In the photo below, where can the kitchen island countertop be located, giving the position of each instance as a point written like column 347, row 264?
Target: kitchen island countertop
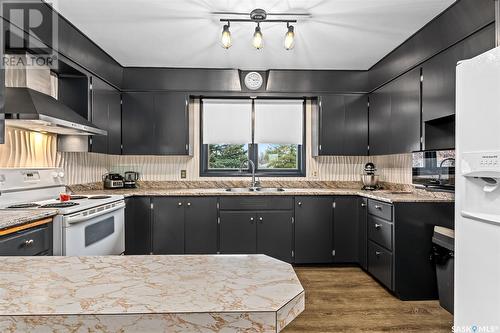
column 149, row 293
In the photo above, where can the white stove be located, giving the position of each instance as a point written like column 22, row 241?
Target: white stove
column 84, row 225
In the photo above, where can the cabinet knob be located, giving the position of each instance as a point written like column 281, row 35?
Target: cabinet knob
column 251, row 220
column 179, row 204
column 299, row 203
column 378, row 253
column 378, row 207
column 29, row 243
column 378, row 226
column 261, row 219
column 363, row 204
column 189, row 204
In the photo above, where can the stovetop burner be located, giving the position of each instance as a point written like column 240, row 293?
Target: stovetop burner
column 25, row 205
column 60, row 204
column 99, row 197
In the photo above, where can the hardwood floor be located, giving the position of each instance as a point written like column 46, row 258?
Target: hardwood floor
column 349, row 300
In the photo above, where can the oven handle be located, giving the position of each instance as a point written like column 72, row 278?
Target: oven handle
column 78, row 218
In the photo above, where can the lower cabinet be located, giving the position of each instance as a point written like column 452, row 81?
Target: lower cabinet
column 313, row 230
column 184, row 225
column 345, row 230
column 363, row 232
column 138, row 225
column 249, row 232
column 36, row 241
column 380, row 263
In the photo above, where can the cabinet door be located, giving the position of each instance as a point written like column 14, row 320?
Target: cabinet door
column 363, row 232
column 405, row 113
column 274, row 234
column 171, row 124
column 106, row 114
column 201, row 225
column 313, row 229
column 238, row 232
column 356, row 125
column 168, row 225
column 345, row 230
column 138, row 121
column 332, row 121
column 138, row 225
column 380, row 121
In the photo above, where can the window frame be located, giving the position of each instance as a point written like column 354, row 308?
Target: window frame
column 253, row 151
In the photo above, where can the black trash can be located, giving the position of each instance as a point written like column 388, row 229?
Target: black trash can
column 444, row 251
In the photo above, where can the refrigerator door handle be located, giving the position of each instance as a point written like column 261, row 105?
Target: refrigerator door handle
column 488, row 218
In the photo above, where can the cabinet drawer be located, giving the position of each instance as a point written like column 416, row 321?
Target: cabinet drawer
column 380, row 231
column 26, row 243
column 380, row 209
column 380, row 264
column 256, row 203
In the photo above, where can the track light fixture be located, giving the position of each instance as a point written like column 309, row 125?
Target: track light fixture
column 259, row 16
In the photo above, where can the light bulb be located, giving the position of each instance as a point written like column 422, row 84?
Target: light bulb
column 290, row 38
column 258, row 41
column 226, row 37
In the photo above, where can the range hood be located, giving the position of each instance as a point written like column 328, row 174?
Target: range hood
column 31, row 102
column 29, row 109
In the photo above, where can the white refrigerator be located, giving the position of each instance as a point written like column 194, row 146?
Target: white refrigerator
column 477, row 208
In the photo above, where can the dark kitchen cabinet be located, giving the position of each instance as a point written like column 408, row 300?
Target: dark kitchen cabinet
column 274, row 234
column 345, row 229
column 35, row 241
column 363, row 232
column 380, row 120
column 155, row 123
column 395, row 116
column 405, row 113
column 138, row 226
column 343, row 125
column 107, row 115
column 138, row 119
column 238, row 232
column 313, row 229
column 168, row 225
column 200, row 230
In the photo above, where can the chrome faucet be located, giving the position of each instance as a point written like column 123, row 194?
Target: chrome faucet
column 440, row 172
column 255, row 184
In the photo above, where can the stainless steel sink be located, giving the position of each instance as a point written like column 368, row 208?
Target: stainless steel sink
column 257, row 189
column 270, row 189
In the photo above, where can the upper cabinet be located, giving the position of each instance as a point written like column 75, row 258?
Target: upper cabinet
column 341, row 124
column 155, row 123
column 107, row 115
column 395, row 116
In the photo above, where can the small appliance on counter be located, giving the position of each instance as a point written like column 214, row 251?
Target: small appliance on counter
column 113, row 180
column 369, row 178
column 130, row 179
column 434, row 169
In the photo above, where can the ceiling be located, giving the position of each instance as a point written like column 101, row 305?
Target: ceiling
column 339, row 34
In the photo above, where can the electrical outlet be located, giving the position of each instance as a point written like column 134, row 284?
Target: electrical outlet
column 315, row 173
column 183, row 174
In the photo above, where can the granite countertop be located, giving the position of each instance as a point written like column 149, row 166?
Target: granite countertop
column 149, row 286
column 382, row 195
column 13, row 217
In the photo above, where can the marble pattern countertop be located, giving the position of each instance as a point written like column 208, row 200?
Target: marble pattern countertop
column 390, row 196
column 13, row 217
column 210, row 292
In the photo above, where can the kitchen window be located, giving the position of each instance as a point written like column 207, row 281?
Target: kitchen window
column 269, row 132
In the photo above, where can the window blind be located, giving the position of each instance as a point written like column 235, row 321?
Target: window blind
column 279, row 121
column 227, row 121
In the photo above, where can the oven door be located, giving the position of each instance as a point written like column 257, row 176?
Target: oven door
column 95, row 232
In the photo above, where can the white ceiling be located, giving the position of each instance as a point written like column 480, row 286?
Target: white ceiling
column 339, row 34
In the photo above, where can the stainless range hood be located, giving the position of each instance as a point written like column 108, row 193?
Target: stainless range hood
column 29, row 109
column 31, row 102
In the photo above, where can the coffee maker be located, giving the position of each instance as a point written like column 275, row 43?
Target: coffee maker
column 130, row 179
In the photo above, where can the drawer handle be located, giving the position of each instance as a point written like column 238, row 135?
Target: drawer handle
column 29, row 243
column 299, row 203
column 378, row 253
column 363, row 204
column 378, row 207
column 378, row 226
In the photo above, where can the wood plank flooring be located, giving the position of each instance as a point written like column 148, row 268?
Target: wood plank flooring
column 346, row 299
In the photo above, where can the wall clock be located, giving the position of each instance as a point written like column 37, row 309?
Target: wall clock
column 253, row 80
